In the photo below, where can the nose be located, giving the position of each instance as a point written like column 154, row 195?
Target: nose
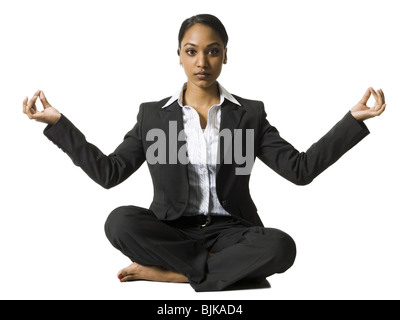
column 202, row 60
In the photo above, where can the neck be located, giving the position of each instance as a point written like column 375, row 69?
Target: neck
column 201, row 97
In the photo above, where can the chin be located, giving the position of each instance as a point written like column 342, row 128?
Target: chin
column 203, row 83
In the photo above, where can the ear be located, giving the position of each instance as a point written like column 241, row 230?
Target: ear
column 226, row 56
column 179, row 54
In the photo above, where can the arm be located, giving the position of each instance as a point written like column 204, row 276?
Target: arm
column 302, row 167
column 107, row 171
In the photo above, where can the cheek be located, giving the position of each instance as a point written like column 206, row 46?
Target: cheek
column 217, row 64
column 188, row 70
column 186, row 65
column 189, row 64
column 187, row 60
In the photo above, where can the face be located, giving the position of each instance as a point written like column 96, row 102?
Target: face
column 202, row 55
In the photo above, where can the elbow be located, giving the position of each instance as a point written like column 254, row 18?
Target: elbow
column 106, row 184
column 303, row 182
column 304, row 179
column 301, row 178
column 298, row 178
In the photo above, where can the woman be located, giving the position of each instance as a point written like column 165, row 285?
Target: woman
column 202, row 226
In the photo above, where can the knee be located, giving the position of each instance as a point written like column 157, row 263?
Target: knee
column 122, row 220
column 115, row 221
column 285, row 251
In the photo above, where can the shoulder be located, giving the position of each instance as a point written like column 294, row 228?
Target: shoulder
column 155, row 104
column 248, row 103
column 252, row 107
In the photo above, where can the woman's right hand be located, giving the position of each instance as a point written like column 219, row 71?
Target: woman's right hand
column 48, row 115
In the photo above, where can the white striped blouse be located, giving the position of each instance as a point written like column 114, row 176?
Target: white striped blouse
column 202, row 147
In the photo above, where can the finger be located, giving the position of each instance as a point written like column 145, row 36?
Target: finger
column 24, row 103
column 36, row 116
column 383, row 109
column 380, row 99
column 36, row 95
column 30, row 107
column 377, row 111
column 380, row 110
column 383, row 96
column 32, row 101
column 374, row 93
column 43, row 99
column 366, row 96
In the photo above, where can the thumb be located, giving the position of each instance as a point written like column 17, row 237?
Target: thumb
column 366, row 96
column 44, row 101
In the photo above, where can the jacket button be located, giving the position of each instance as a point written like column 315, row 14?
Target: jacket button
column 224, row 203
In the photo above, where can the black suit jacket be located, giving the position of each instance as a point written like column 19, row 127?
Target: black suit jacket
column 170, row 180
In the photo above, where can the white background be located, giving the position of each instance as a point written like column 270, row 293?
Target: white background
column 96, row 61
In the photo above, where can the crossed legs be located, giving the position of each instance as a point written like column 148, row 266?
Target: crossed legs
column 211, row 258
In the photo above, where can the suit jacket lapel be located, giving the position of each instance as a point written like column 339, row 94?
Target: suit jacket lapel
column 231, row 115
column 172, row 113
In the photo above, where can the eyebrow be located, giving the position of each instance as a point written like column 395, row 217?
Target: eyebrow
column 195, row 45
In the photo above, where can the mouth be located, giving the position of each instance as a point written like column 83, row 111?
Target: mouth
column 202, row 75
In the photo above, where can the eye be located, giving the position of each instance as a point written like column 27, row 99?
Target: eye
column 213, row 52
column 191, row 52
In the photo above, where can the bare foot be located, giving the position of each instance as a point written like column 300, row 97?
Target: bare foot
column 137, row 271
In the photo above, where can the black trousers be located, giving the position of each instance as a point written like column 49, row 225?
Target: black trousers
column 240, row 252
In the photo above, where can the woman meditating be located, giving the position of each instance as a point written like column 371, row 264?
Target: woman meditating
column 202, row 226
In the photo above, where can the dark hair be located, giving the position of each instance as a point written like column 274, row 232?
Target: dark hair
column 206, row 19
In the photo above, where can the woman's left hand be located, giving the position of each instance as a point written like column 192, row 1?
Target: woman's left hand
column 361, row 112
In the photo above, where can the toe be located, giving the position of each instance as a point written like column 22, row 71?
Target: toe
column 126, row 271
column 128, row 278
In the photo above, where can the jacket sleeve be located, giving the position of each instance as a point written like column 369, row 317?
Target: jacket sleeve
column 107, row 171
column 302, row 167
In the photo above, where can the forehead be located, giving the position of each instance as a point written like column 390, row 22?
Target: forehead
column 201, row 34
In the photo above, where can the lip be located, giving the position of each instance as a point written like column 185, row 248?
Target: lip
column 202, row 75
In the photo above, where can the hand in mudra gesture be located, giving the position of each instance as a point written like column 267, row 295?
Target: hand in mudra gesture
column 361, row 112
column 48, row 115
